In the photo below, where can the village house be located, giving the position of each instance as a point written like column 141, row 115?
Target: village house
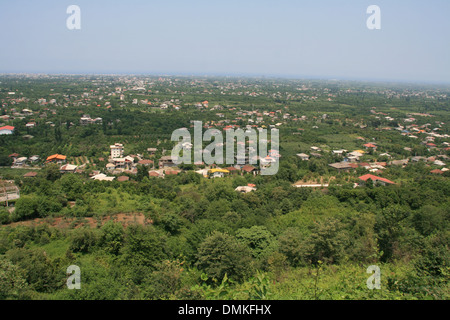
column 376, row 180
column 152, row 151
column 418, row 159
column 385, row 155
column 86, row 119
column 232, row 170
column 171, row 172
column 116, row 150
column 68, row 168
column 370, row 146
column 125, row 163
column 354, row 156
column 303, row 156
column 27, row 112
column 34, row 159
column 439, row 163
column 6, row 130
column 341, row 166
column 18, row 162
column 30, row 174
column 218, row 172
column 246, row 189
column 57, row 158
column 249, row 169
column 166, row 161
column 146, row 162
column 339, row 152
column 156, row 174
column 402, row 162
column 102, row 177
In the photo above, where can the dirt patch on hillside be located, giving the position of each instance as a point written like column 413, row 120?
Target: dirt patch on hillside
column 93, row 222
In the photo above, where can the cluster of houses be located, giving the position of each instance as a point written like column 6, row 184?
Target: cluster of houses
column 352, row 160
column 19, row 162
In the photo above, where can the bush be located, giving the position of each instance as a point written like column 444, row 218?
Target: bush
column 83, row 240
column 4, row 216
column 221, row 254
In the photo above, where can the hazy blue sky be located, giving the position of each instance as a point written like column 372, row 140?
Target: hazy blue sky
column 322, row 38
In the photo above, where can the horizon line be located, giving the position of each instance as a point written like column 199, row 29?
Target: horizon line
column 237, row 75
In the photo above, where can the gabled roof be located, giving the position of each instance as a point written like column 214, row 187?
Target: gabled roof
column 219, row 170
column 340, row 165
column 154, row 174
column 56, row 157
column 7, row 128
column 248, row 168
column 172, row 172
column 30, row 174
column 374, row 178
column 145, row 161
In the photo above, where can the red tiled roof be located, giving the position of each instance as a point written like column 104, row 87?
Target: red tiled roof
column 7, row 128
column 172, row 172
column 30, row 174
column 248, row 168
column 364, row 164
column 153, row 174
column 375, row 178
column 145, row 161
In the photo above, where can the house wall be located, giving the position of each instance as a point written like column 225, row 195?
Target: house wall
column 5, row 131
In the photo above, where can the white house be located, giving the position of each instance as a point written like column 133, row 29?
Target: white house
column 102, row 177
column 303, row 156
column 245, row 189
column 68, row 168
column 20, row 161
column 6, row 130
column 116, row 150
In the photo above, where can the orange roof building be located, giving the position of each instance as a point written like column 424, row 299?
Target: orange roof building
column 375, row 179
column 56, row 157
